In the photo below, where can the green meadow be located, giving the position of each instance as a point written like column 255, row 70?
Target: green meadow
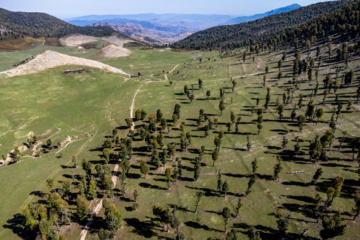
column 86, row 107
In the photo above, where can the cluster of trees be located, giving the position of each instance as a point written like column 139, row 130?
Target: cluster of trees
column 259, row 31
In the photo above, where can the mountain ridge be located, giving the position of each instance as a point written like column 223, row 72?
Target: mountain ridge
column 254, row 31
column 37, row 25
column 266, row 14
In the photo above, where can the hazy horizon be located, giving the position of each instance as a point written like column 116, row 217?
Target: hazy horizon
column 66, row 9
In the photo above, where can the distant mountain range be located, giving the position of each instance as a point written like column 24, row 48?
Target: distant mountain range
column 258, row 16
column 166, row 28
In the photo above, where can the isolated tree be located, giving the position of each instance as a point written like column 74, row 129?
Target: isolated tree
column 92, row 190
column 225, row 187
column 334, row 191
column 82, row 208
column 349, row 104
column 200, row 82
column 144, row 168
column 177, row 110
column 215, row 156
column 356, row 210
column 283, row 221
column 197, row 169
column 238, row 206
column 250, row 184
column 128, row 122
column 280, row 111
column 168, row 176
column 125, row 166
column 226, row 214
column 106, row 154
column 222, row 106
column 319, row 113
column 233, row 85
column 254, row 165
column 259, row 126
column 248, row 143
column 222, row 93
column 284, row 142
column 164, row 215
column 301, row 122
column 267, row 98
column 48, row 144
column 199, row 195
column 277, row 170
column 113, row 217
column 349, row 76
column 310, row 110
column 317, row 175
column 50, row 183
column 219, row 182
column 217, row 142
column 332, row 226
column 208, row 94
column 103, row 234
column 253, row 234
column 81, row 189
column 138, row 115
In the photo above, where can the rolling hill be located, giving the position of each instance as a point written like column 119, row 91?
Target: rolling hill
column 17, row 24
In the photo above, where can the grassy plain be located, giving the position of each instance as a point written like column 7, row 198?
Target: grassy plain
column 88, row 106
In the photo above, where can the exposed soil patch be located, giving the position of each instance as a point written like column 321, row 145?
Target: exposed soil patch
column 76, row 40
column 113, row 51
column 52, row 59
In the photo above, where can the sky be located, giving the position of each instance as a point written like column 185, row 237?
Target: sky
column 75, row 8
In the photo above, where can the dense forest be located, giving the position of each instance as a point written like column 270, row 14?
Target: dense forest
column 232, row 36
column 43, row 25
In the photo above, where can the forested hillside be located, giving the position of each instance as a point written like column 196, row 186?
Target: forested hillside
column 231, row 36
column 43, row 25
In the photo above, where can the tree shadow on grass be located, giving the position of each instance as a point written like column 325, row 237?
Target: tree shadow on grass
column 16, row 224
column 148, row 185
column 208, row 192
column 294, row 183
column 197, row 225
column 38, row 194
column 141, row 228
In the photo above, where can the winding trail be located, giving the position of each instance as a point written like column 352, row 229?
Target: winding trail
column 98, row 207
column 166, row 77
column 96, row 210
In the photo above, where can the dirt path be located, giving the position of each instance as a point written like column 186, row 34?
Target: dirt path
column 98, row 207
column 96, row 210
column 166, row 77
column 132, row 108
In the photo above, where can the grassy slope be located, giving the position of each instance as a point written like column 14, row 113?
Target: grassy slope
column 87, row 108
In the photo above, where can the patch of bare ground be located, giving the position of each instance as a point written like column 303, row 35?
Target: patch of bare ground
column 113, row 51
column 76, row 40
column 52, row 59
